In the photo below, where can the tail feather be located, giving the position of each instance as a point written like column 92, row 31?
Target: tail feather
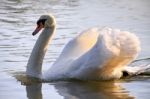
column 141, row 66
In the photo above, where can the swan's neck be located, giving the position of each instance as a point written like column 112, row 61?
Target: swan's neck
column 34, row 66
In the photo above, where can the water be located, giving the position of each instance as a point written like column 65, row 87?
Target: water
column 17, row 21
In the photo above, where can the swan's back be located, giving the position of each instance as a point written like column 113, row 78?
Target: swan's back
column 101, row 55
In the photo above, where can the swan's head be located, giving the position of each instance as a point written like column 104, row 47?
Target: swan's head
column 45, row 21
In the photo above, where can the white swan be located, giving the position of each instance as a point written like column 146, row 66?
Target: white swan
column 97, row 53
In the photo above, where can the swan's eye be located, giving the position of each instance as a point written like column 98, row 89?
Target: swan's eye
column 41, row 21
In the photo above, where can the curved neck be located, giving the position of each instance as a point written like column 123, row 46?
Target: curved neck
column 34, row 66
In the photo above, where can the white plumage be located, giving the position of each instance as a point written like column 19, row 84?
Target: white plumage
column 95, row 54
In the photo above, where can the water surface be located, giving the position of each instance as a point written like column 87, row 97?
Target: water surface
column 18, row 20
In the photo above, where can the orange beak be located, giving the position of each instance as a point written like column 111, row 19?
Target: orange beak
column 38, row 28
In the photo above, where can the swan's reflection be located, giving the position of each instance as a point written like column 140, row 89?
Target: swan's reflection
column 81, row 90
column 78, row 89
column 34, row 91
column 91, row 90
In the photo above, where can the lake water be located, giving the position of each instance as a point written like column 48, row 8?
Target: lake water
column 18, row 20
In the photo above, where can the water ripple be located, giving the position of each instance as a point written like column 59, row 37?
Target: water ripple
column 18, row 20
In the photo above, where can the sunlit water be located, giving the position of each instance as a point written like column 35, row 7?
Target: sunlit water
column 18, row 20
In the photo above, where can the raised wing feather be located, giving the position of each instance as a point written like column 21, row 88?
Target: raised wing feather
column 79, row 45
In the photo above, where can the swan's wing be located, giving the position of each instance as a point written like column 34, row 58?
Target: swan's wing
column 101, row 55
column 79, row 45
column 75, row 48
column 113, row 51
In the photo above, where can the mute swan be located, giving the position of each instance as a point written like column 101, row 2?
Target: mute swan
column 95, row 54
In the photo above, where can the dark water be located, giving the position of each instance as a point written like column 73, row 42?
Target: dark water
column 17, row 21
